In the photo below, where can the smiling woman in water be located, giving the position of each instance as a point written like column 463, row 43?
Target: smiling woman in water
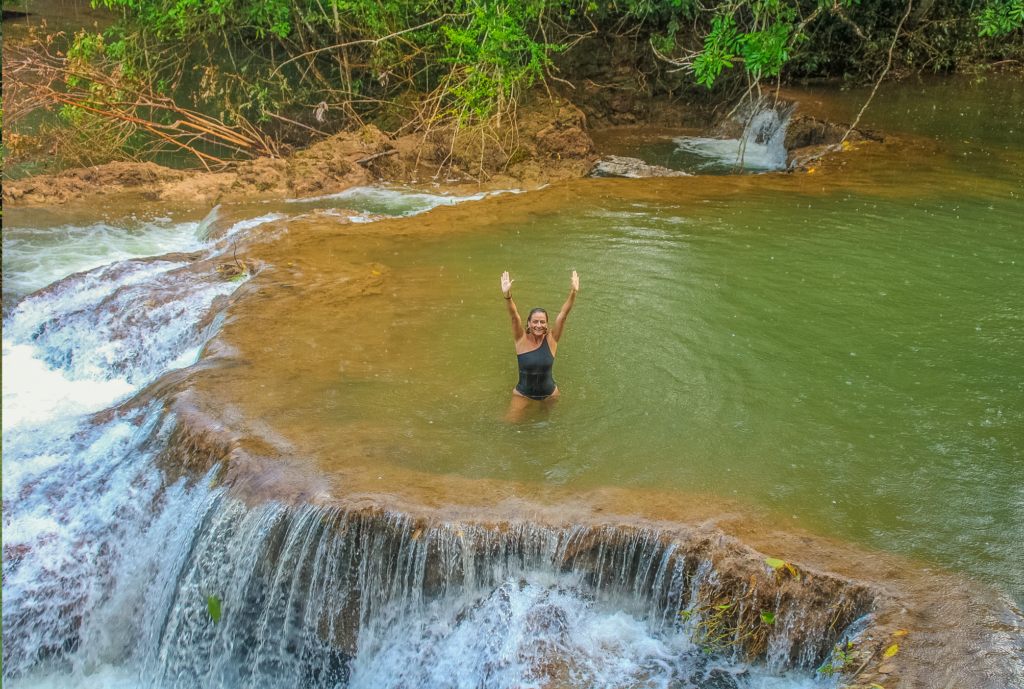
column 535, row 348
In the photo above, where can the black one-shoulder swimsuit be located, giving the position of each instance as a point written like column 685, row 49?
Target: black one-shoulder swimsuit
column 535, row 379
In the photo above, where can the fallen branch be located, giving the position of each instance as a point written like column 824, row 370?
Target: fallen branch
column 369, row 159
column 199, row 154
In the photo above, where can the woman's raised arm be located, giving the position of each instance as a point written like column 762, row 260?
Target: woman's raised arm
column 517, row 322
column 556, row 332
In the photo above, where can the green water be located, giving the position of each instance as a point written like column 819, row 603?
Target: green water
column 978, row 118
column 853, row 362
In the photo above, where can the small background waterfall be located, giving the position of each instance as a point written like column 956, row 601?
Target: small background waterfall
column 760, row 148
column 751, row 141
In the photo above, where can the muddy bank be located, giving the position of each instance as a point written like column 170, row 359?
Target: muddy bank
column 546, row 142
column 550, row 139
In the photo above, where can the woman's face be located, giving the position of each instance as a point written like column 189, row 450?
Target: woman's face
column 538, row 324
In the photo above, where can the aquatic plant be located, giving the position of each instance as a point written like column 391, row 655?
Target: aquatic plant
column 842, row 658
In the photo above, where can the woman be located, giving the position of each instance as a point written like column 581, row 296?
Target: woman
column 535, row 348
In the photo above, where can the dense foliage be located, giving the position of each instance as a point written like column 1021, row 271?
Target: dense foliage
column 477, row 55
column 404, row 64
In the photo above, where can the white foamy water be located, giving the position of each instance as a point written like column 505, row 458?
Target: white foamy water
column 357, row 205
column 211, row 227
column 541, row 629
column 88, row 519
column 395, row 201
column 760, row 148
column 99, row 337
column 36, row 256
column 733, row 153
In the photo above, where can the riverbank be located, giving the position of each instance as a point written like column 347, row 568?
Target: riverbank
column 549, row 141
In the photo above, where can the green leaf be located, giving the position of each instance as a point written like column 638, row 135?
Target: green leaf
column 774, row 563
column 213, row 605
column 768, row 617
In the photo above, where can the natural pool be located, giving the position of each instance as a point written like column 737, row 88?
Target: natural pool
column 850, row 359
column 843, row 353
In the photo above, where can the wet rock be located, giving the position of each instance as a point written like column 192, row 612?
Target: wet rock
column 809, row 131
column 621, row 166
column 729, row 128
column 804, row 156
column 99, row 179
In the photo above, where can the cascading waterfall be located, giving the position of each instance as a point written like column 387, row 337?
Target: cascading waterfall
column 83, row 503
column 319, row 597
column 760, row 148
column 109, row 562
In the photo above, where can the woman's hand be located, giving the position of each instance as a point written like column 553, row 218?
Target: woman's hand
column 575, row 282
column 506, row 284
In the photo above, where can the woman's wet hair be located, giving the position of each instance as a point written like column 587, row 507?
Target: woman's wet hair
column 530, row 317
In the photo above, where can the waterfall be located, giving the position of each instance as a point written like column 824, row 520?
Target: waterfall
column 323, row 597
column 760, row 147
column 765, row 131
column 83, row 502
column 315, row 596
